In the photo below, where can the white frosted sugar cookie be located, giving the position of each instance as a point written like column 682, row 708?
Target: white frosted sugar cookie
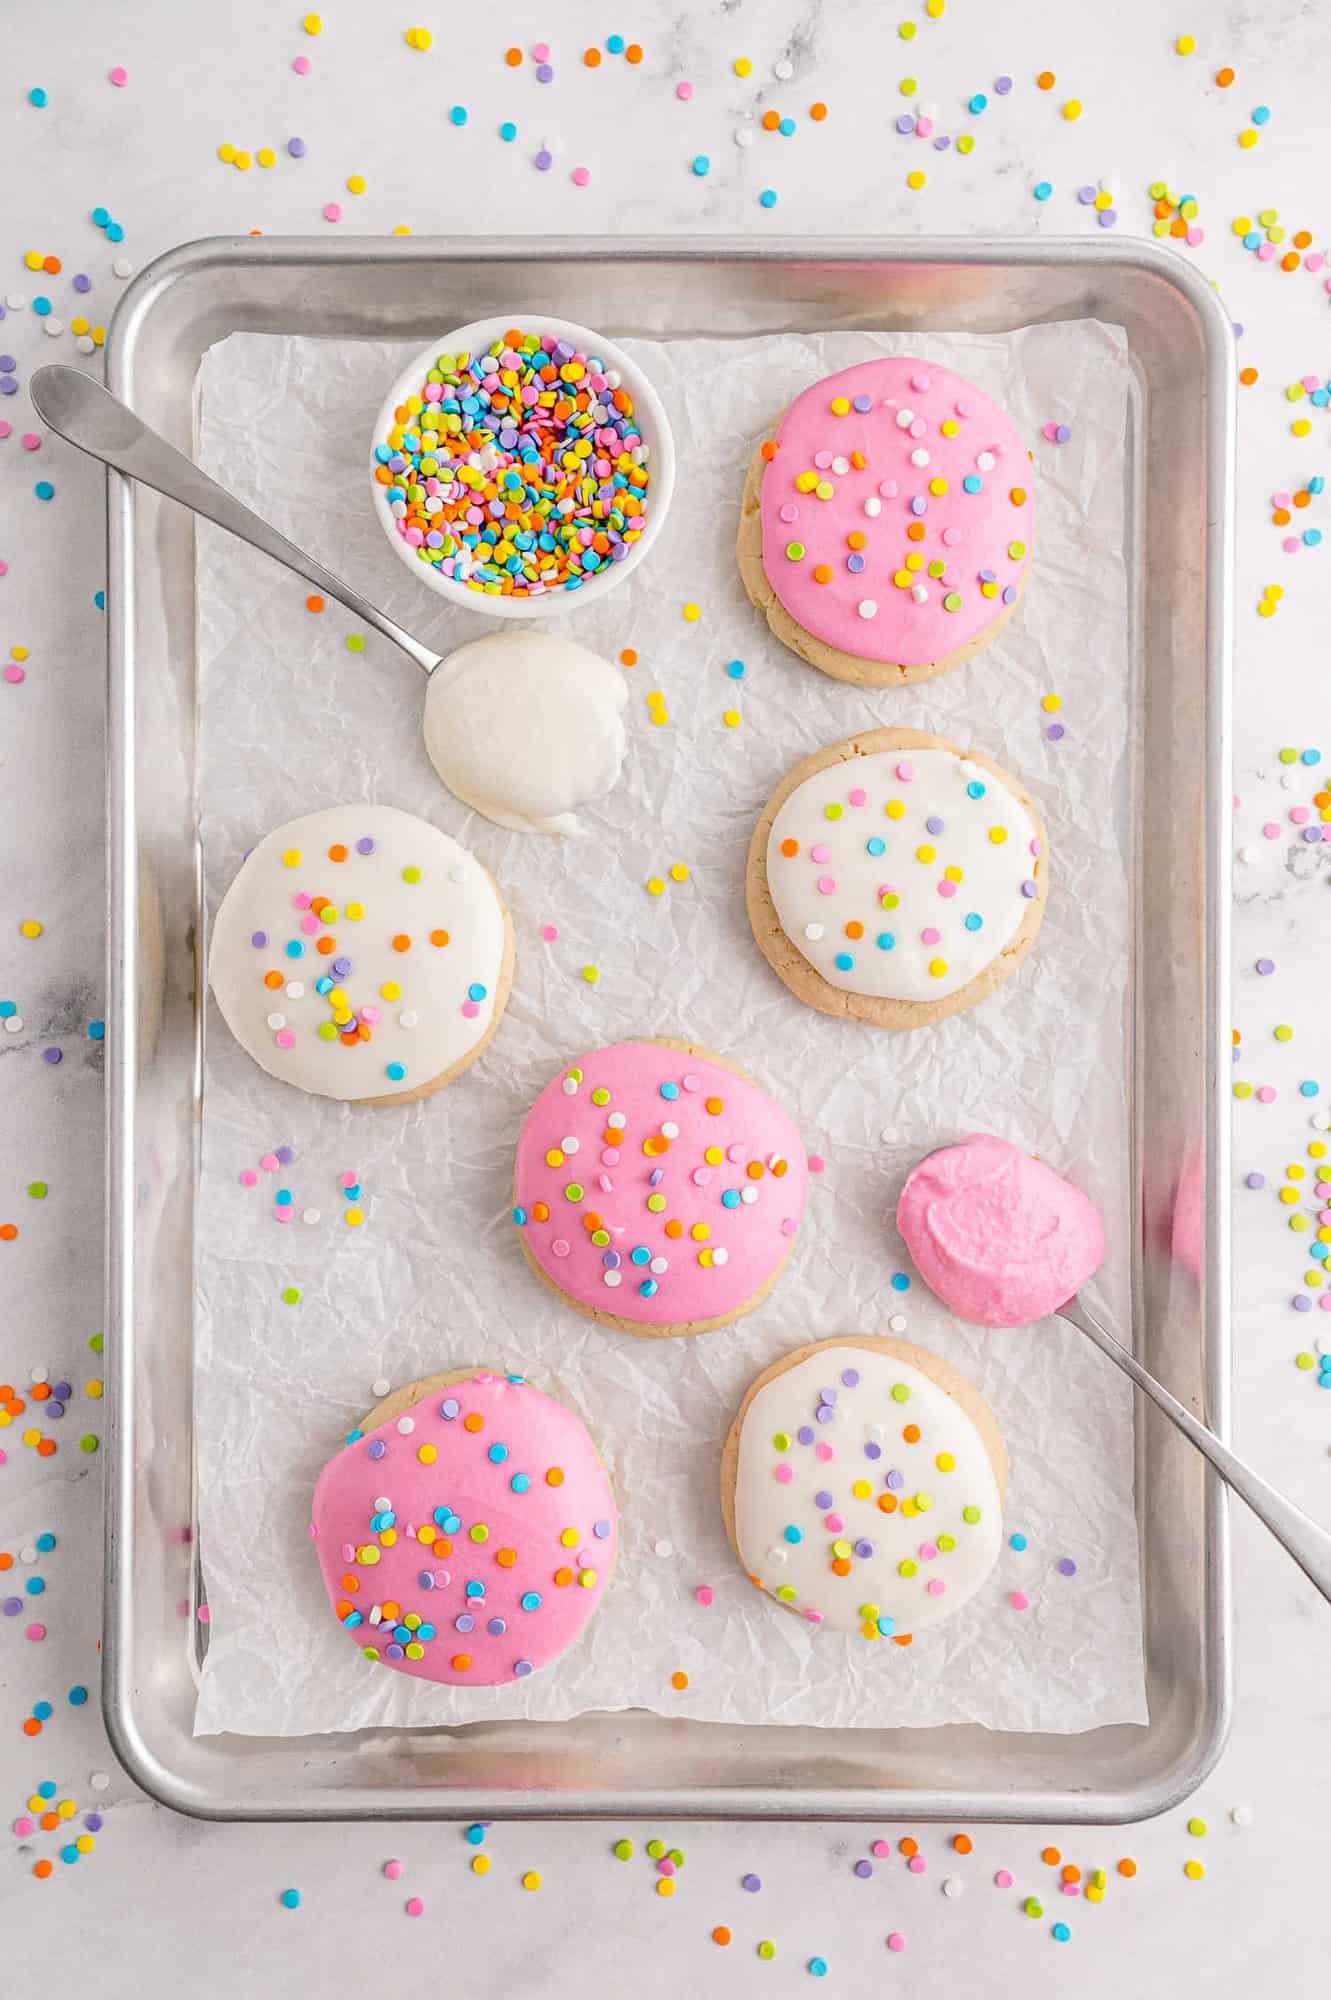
column 862, row 1485
column 361, row 953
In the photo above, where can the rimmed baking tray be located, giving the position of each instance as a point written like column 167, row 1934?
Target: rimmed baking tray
column 636, row 1763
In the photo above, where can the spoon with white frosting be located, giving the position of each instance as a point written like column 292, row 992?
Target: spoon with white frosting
column 1004, row 1240
column 526, row 727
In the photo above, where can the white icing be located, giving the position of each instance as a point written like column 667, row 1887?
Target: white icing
column 526, row 727
column 836, row 851
column 453, row 895
column 865, row 1414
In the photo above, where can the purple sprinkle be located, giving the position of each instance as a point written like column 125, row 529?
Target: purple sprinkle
column 1256, row 1180
column 64, row 1390
column 656, row 1176
column 52, row 1055
column 826, row 1413
column 895, row 1481
column 93, row 1822
column 394, row 1652
column 522, row 1668
column 850, row 1378
column 827, row 1395
column 864, row 1869
column 988, row 575
column 753, row 1883
column 941, row 143
column 425, row 1578
column 341, row 966
column 855, row 564
column 864, row 1548
column 55, row 1408
column 611, row 1260
column 601, row 1530
column 1106, row 217
column 12, row 1606
column 1010, row 594
column 1265, row 966
column 805, row 1434
column 1003, row 85
column 1066, row 1566
column 919, row 505
column 1312, row 833
column 1030, row 890
column 365, row 845
column 543, row 161
column 872, row 1450
column 7, row 364
column 1056, row 732
column 934, row 824
column 1062, row 433
column 905, row 124
column 822, row 1500
column 296, row 148
column 376, row 1448
column 1086, row 195
column 82, row 282
column 1302, row 1303
column 861, row 403
column 464, row 1622
column 449, row 1407
column 258, row 939
column 544, row 73
column 496, row 1627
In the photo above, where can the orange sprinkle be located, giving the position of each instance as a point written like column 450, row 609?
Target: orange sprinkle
column 1302, row 239
column 855, row 539
column 400, row 943
column 1127, row 1866
column 771, row 119
column 915, row 532
column 473, row 1421
column 822, row 573
column 52, row 265
column 1071, row 1873
column 592, row 58
column 910, row 1846
column 563, row 1577
column 555, row 1476
column 40, row 1391
column 674, row 1228
column 963, row 1843
column 506, row 1558
column 628, row 658
column 513, row 57
column 461, row 1662
column 841, row 1567
column 633, row 53
column 439, row 938
column 314, row 604
column 32, row 1727
column 769, row 449
column 790, row 848
column 679, row 1680
column 911, row 1433
column 1052, row 1856
column 337, row 852
column 818, row 112
column 755, row 1170
column 41, row 1869
column 887, row 1503
column 1224, row 77
column 714, row 1105
column 721, row 1935
column 904, row 1639
column 854, row 930
column 8, row 1231
column 47, row 1448
column 1247, row 376
column 1046, row 79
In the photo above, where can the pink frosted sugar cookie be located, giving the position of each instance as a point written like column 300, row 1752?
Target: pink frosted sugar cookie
column 999, row 1236
column 657, row 1188
column 466, row 1531
column 887, row 524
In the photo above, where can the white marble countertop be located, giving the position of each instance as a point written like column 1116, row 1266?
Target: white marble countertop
column 164, row 1901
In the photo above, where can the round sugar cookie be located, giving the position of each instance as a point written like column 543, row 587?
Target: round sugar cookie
column 658, row 1188
column 896, row 879
column 887, row 522
column 466, row 1530
column 361, row 953
column 862, row 1486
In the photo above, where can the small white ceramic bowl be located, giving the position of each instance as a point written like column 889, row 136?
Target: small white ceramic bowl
column 652, row 423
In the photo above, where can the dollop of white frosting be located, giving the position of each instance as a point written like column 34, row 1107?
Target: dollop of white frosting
column 526, row 727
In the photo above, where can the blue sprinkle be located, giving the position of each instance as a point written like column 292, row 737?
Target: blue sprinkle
column 786, row 127
column 36, row 1586
column 700, row 165
column 1310, row 1089
column 1261, row 114
column 46, row 1543
column 508, row 131
column 96, row 1031
column 395, row 1072
column 475, row 1834
column 476, row 991
column 520, row 1482
column 497, row 1454
column 767, row 199
column 818, row 1967
column 101, row 216
column 290, row 1897
column 530, row 1600
column 37, row 97
column 670, row 1091
column 43, row 1711
column 458, row 115
column 648, row 1288
column 295, row 949
column 44, row 490
column 520, row 1216
column 735, row 668
column 614, row 45
column 1311, row 757
column 1043, row 190
column 730, row 1199
column 886, row 940
column 975, row 790
column 641, row 1255
column 875, row 845
column 844, row 962
column 115, row 232
column 974, row 921
column 99, row 599
column 1062, row 1933
column 978, row 103
column 1018, row 1542
column 793, row 1534
column 900, row 1282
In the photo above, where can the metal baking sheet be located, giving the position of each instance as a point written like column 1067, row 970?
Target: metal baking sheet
column 637, row 1763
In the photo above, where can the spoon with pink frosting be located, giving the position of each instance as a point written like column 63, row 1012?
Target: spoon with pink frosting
column 1003, row 1240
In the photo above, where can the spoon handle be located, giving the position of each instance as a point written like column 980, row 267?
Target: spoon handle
column 90, row 417
column 1309, row 1545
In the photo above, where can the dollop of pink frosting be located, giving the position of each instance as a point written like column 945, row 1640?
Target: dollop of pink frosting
column 998, row 1236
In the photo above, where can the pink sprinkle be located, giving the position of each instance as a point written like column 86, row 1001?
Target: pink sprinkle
column 301, row 65
column 1003, row 1878
column 23, row 1826
column 785, row 1473
column 205, row 1615
column 823, row 1452
column 1265, row 252
column 392, row 1870
column 1300, row 815
column 823, row 460
column 332, row 211
column 15, row 674
column 929, row 935
column 1267, row 1094
column 736, row 1154
column 1070, row 1888
column 833, row 1523
column 283, row 1214
column 951, row 537
column 471, row 1008
column 704, row 1594
column 788, row 1225
column 905, row 772
column 888, row 488
column 1020, row 1601
column 540, row 52
column 665, row 1866
column 923, row 127
column 701, row 1176
column 684, row 91
column 270, row 1163
column 414, row 1907
column 30, row 441
column 1314, row 262
column 881, row 1849
column 820, row 853
column 370, row 1014
column 1196, row 236
column 286, row 1038
column 895, row 1941
column 560, row 1246
column 827, row 885
column 947, row 889
column 789, row 511
column 605, row 1184
column 248, row 1177
column 580, row 176
column 301, row 899
column 1325, row 1302
column 549, row 932
column 1271, row 831
column 350, row 1178
column 309, row 924
column 917, row 1864
column 1291, row 545
column 920, row 383
column 119, row 76
column 935, row 1586
column 35, row 1632
column 928, row 1552
column 814, row 1617
column 858, row 797
column 817, row 1164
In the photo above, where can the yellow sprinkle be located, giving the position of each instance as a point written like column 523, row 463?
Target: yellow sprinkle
column 266, row 156
column 419, row 38
column 402, row 229
column 679, row 872
column 227, row 155
column 665, row 1885
column 1300, row 427
column 1103, row 200
column 531, row 1880
column 732, row 718
column 1186, row 45
column 1289, row 1196
column 1194, row 1870
column 966, row 143
column 313, row 24
column 34, row 260
column 355, row 183
column 480, row 1864
column 655, row 886
column 909, row 86
column 742, row 66
column 1072, row 110
column 591, row 973
column 1052, row 703
column 244, row 161
column 935, row 9
column 354, row 1217
column 1248, row 138
column 30, row 928
column 692, row 613
column 292, row 858
column 916, row 180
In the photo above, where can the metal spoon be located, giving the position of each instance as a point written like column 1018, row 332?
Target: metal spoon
column 1309, row 1545
column 80, row 410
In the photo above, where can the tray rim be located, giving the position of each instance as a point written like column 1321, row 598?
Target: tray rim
column 1123, row 1806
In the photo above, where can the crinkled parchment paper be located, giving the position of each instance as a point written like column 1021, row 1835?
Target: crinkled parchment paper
column 291, row 720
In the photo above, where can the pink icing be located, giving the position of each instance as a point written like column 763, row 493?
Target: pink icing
column 971, row 534
column 722, row 1237
column 535, row 1435
column 1000, row 1237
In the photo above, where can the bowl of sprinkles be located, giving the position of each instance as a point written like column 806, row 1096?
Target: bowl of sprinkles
column 522, row 466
